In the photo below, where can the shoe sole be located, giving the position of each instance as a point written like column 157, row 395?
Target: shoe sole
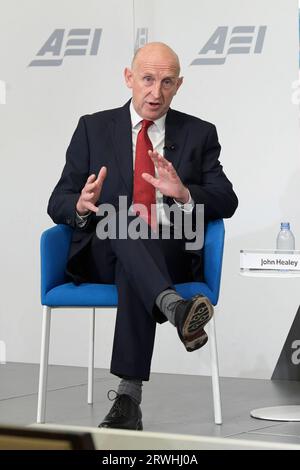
column 139, row 426
column 194, row 336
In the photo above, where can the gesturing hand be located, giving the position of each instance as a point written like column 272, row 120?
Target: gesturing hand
column 91, row 192
column 167, row 180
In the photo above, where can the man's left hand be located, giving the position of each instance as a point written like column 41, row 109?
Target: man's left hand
column 167, row 180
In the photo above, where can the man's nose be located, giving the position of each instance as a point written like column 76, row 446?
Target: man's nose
column 156, row 89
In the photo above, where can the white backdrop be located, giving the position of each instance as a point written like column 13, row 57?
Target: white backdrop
column 248, row 98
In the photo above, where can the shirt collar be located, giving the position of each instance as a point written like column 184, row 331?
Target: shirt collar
column 136, row 119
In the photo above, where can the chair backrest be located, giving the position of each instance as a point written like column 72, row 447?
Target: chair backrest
column 55, row 244
column 213, row 256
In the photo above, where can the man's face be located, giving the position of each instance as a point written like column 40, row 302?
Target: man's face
column 154, row 81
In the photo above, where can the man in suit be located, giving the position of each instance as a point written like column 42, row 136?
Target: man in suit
column 156, row 157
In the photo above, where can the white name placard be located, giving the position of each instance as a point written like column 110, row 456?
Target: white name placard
column 266, row 260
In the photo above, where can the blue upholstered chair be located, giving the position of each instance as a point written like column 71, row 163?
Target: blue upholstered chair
column 56, row 292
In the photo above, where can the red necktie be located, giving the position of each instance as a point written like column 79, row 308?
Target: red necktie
column 144, row 192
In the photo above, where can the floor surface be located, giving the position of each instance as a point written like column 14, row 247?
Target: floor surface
column 171, row 403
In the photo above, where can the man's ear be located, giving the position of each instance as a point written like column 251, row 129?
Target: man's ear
column 179, row 83
column 128, row 77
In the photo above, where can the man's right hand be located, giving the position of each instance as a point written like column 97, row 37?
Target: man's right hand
column 91, row 193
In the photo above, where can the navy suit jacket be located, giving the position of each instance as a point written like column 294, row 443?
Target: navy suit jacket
column 105, row 139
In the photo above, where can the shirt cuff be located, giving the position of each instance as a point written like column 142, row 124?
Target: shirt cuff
column 81, row 220
column 188, row 206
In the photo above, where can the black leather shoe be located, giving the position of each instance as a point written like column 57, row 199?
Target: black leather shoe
column 190, row 318
column 124, row 414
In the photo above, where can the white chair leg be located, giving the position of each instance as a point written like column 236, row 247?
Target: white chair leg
column 91, row 358
column 41, row 411
column 215, row 370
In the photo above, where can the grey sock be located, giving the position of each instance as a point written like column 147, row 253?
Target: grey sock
column 166, row 301
column 131, row 387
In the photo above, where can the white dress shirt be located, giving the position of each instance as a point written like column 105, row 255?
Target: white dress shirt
column 156, row 133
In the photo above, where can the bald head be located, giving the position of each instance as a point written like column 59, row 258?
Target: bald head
column 154, row 79
column 159, row 52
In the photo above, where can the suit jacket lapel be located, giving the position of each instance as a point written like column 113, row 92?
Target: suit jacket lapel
column 121, row 130
column 175, row 137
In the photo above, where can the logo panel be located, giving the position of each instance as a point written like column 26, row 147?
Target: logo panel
column 223, row 42
column 78, row 42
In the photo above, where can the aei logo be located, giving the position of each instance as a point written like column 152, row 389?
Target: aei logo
column 141, row 38
column 241, row 40
column 76, row 42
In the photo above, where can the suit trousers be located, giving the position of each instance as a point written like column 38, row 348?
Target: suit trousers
column 141, row 269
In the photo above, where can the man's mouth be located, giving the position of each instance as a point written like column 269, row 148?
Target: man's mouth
column 152, row 104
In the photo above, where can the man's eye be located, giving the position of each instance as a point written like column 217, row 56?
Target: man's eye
column 148, row 79
column 167, row 83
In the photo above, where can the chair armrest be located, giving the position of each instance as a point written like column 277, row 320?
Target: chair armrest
column 55, row 244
